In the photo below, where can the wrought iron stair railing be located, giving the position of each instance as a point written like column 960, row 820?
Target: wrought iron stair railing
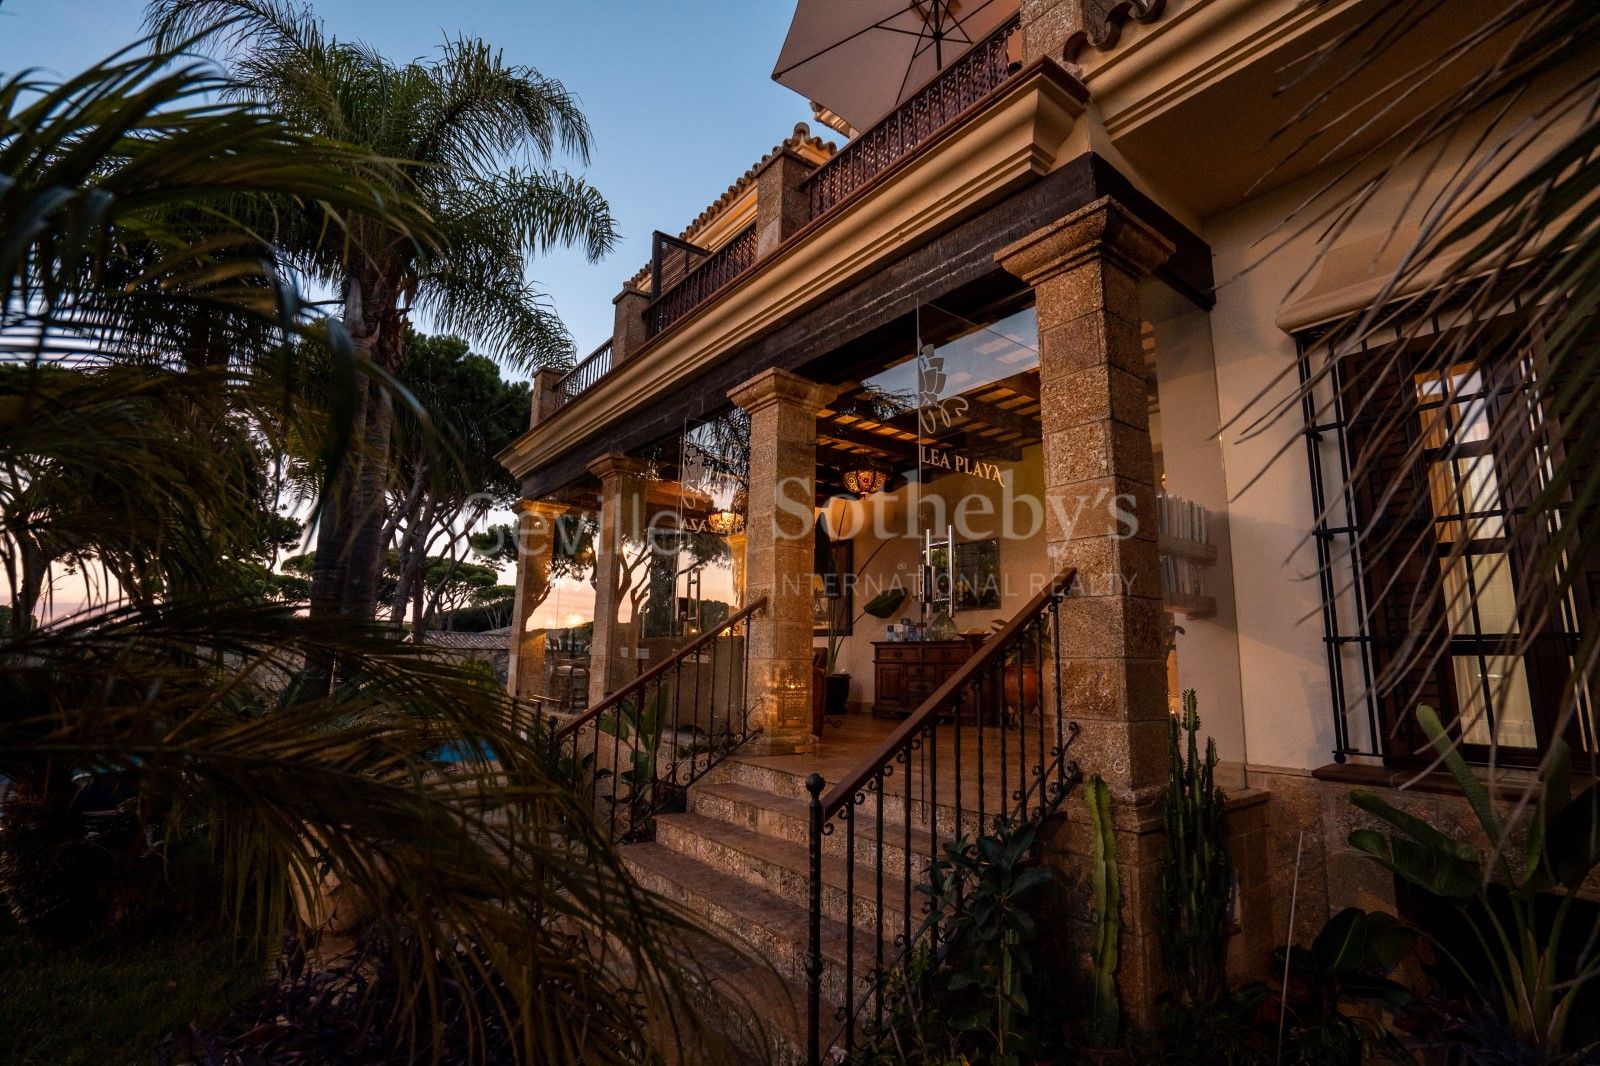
column 638, row 750
column 991, row 743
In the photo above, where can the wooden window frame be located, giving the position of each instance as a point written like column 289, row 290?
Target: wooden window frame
column 1395, row 619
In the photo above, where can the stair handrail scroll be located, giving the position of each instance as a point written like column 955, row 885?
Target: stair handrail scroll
column 1002, row 712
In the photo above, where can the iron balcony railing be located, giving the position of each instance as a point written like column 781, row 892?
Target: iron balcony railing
column 990, row 744
column 572, row 384
column 960, row 86
column 637, row 751
column 690, row 281
column 702, row 282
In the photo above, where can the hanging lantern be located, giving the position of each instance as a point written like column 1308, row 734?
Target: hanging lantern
column 865, row 478
column 724, row 523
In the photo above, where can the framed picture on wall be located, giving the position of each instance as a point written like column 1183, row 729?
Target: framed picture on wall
column 978, row 576
column 831, row 594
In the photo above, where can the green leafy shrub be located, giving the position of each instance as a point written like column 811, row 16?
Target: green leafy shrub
column 1334, row 1010
column 1519, row 968
column 970, row 1002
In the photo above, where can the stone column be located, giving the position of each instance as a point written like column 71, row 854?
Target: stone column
column 536, row 528
column 545, row 400
column 627, row 330
column 781, row 205
column 1101, row 518
column 621, row 528
column 779, row 528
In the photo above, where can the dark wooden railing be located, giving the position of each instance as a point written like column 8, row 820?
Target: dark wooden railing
column 1002, row 712
column 697, row 286
column 963, row 84
column 638, row 750
column 582, row 377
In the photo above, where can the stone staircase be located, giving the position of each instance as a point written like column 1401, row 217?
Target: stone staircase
column 737, row 860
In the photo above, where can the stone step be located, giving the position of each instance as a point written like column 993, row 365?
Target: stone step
column 774, row 927
column 775, row 1006
column 745, row 1001
column 783, row 868
column 790, row 820
column 772, row 780
column 757, row 777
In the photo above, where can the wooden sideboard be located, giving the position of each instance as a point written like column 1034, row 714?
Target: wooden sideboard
column 905, row 674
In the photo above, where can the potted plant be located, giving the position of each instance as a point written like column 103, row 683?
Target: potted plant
column 1020, row 671
column 837, row 685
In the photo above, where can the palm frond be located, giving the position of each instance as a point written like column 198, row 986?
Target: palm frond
column 152, row 348
column 514, row 320
column 189, row 705
column 129, row 174
column 1490, row 145
column 484, row 109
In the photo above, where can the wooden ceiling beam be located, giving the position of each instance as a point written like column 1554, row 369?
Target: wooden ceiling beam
column 1000, row 418
column 893, row 447
column 1023, row 384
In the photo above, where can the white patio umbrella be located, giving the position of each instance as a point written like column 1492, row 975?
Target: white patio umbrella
column 862, row 58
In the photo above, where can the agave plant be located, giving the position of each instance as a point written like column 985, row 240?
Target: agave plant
column 1553, row 854
column 131, row 204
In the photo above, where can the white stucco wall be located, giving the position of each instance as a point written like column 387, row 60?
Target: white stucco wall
column 1191, row 459
column 1283, row 669
column 1272, row 276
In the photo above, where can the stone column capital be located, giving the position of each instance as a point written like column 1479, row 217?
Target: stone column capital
column 1103, row 229
column 632, row 294
column 775, row 386
column 613, row 465
column 537, row 518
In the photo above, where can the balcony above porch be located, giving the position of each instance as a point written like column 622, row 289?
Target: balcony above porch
column 984, row 128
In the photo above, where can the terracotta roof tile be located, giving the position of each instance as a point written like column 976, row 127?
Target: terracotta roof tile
column 801, row 138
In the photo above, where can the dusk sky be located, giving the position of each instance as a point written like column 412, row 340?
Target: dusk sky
column 679, row 95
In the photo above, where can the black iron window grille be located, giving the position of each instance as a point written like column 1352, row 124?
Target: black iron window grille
column 1431, row 582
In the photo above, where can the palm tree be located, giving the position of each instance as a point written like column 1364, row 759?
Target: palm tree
column 129, row 209
column 122, row 250
column 474, row 138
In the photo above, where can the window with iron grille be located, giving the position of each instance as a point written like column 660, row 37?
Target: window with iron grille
column 1435, row 586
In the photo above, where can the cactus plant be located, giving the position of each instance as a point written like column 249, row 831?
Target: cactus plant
column 1197, row 877
column 1104, row 1009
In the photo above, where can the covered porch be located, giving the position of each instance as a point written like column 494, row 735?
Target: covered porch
column 891, row 510
column 1053, row 416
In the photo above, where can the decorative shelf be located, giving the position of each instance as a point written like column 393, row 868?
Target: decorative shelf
column 1189, row 605
column 1198, row 551
column 1184, row 553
